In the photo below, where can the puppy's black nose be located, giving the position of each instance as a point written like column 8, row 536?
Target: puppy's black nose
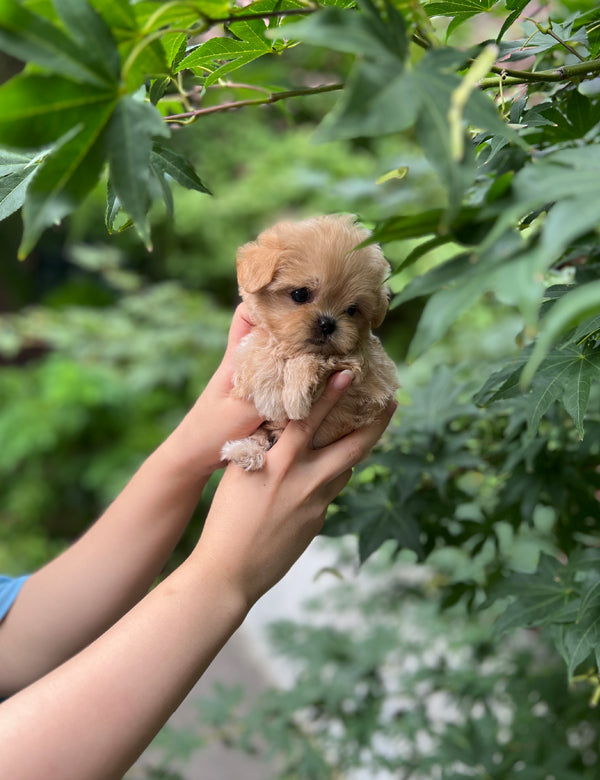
column 326, row 325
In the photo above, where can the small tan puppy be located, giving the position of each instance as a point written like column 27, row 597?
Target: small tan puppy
column 314, row 298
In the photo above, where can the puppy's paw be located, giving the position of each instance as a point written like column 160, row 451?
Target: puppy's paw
column 247, row 453
column 297, row 406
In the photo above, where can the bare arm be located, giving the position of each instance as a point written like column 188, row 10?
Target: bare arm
column 78, row 595
column 95, row 714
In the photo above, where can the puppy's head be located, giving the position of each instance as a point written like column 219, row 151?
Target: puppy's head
column 311, row 288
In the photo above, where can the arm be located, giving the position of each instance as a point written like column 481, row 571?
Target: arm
column 95, row 714
column 78, row 595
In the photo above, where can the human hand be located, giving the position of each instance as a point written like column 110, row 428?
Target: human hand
column 217, row 417
column 260, row 522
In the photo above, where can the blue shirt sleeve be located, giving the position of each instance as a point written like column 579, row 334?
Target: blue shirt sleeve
column 9, row 590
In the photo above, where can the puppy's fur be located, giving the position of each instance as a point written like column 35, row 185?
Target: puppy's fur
column 314, row 298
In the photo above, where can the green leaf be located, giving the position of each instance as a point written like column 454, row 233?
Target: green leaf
column 130, row 134
column 16, row 171
column 574, row 307
column 91, row 33
column 455, row 7
column 517, row 7
column 32, row 38
column 13, row 188
column 460, row 10
column 38, row 109
column 177, row 167
column 583, row 638
column 443, row 309
column 219, row 56
column 12, row 161
column 544, row 597
column 65, row 177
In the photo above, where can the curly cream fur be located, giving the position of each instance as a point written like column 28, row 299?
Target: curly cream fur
column 283, row 364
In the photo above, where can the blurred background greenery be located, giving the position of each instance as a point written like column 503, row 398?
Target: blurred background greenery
column 103, row 346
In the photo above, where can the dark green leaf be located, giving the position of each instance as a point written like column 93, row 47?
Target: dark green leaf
column 543, row 597
column 574, row 307
column 65, row 177
column 32, row 38
column 91, row 33
column 130, row 135
column 38, row 109
column 177, row 167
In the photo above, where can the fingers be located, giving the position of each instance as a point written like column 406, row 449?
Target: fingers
column 300, row 433
column 345, row 453
column 241, row 325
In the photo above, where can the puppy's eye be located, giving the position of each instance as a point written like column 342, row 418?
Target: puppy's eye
column 301, row 295
column 351, row 310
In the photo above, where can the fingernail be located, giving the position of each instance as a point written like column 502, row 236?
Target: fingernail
column 342, row 380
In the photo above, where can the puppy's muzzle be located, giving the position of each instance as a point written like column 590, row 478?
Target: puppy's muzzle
column 325, row 326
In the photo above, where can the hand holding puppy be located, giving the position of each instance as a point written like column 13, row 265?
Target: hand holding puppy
column 285, row 502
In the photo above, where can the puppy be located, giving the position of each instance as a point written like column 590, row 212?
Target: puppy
column 314, row 297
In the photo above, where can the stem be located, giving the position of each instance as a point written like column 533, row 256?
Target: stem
column 274, row 97
column 565, row 73
column 549, row 31
column 262, row 15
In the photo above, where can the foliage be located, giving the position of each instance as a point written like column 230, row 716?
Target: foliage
column 408, row 694
column 490, row 474
column 110, row 385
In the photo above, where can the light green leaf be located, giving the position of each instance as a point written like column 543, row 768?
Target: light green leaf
column 454, row 7
column 443, row 309
column 232, row 53
column 130, row 133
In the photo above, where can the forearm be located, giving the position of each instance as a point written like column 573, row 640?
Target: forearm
column 70, row 601
column 96, row 713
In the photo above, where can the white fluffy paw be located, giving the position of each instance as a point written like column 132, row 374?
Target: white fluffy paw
column 297, row 406
column 247, row 453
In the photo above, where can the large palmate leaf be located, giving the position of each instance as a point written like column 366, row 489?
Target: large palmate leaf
column 566, row 374
column 546, row 596
column 572, row 309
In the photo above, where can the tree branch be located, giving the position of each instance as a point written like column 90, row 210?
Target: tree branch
column 511, row 77
column 273, row 97
column 261, row 15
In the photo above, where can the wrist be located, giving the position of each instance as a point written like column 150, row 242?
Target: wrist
column 212, row 576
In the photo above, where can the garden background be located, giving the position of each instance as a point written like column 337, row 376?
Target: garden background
column 141, row 144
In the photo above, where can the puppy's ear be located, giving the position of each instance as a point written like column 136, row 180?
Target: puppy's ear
column 384, row 297
column 256, row 264
column 381, row 268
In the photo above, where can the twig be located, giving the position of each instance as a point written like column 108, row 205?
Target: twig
column 565, row 73
column 273, row 97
